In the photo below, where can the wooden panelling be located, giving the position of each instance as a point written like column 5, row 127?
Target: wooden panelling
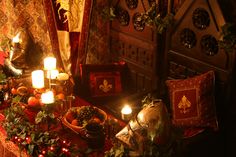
column 137, row 48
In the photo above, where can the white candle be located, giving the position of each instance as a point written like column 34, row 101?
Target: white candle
column 52, row 73
column 37, row 79
column 47, row 98
column 16, row 39
column 50, row 63
column 63, row 76
column 126, row 112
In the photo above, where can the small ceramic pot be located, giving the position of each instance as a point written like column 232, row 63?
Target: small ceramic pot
column 95, row 135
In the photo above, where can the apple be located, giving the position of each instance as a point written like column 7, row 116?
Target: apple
column 33, row 101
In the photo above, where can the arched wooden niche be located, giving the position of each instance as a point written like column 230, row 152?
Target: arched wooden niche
column 193, row 46
column 68, row 23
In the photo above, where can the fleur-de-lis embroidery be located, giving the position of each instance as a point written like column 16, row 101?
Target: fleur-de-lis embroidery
column 105, row 87
column 184, row 104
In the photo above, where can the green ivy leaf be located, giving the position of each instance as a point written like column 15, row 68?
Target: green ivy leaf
column 31, row 149
column 40, row 116
column 16, row 99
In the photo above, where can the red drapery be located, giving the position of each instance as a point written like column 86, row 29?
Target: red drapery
column 58, row 23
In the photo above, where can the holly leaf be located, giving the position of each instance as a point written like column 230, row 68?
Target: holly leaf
column 3, row 56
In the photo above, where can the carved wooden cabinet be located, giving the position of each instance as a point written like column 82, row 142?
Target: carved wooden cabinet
column 135, row 43
column 193, row 48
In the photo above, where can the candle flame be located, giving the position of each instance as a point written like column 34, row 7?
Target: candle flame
column 16, row 39
column 126, row 109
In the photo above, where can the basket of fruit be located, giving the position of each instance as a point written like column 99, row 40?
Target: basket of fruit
column 77, row 118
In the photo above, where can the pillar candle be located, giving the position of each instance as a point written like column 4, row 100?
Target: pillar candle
column 37, row 79
column 50, row 63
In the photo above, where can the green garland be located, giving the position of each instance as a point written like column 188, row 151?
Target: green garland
column 33, row 138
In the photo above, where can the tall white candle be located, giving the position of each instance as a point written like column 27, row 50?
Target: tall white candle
column 50, row 63
column 37, row 79
column 47, row 98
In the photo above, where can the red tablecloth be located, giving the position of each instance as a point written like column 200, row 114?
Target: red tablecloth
column 9, row 149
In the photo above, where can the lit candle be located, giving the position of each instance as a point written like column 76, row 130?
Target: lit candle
column 50, row 63
column 47, row 98
column 126, row 112
column 16, row 39
column 38, row 79
column 52, row 73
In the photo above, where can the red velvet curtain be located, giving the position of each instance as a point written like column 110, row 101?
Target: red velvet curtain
column 58, row 22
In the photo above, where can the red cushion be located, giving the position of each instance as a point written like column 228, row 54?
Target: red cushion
column 192, row 101
column 102, row 80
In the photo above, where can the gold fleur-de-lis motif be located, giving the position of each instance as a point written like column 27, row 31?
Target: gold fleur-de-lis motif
column 105, row 87
column 184, row 104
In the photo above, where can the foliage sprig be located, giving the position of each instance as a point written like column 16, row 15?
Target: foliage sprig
column 228, row 41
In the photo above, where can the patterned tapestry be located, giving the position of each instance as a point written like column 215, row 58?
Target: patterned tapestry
column 17, row 14
column 99, row 40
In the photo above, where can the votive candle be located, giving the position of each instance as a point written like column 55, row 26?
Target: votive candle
column 37, row 79
column 126, row 112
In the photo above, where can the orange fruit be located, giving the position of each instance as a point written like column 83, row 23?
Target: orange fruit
column 33, row 101
column 96, row 120
column 13, row 91
column 60, row 96
column 70, row 117
column 74, row 122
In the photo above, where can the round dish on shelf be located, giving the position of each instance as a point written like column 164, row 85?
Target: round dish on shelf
column 77, row 118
